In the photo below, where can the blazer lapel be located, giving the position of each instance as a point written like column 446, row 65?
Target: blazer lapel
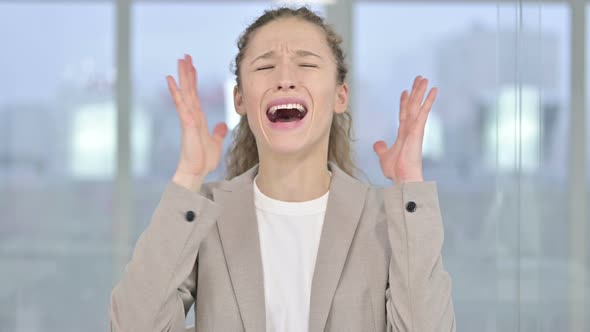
column 345, row 204
column 238, row 231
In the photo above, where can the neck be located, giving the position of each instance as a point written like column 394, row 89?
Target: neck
column 295, row 180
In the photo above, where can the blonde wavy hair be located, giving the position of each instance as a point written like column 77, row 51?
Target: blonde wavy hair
column 243, row 152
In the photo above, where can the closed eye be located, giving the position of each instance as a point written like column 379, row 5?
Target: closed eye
column 263, row 68
column 305, row 65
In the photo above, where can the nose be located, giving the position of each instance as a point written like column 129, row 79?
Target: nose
column 285, row 80
column 285, row 85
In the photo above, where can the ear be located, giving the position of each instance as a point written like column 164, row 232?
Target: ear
column 239, row 101
column 341, row 102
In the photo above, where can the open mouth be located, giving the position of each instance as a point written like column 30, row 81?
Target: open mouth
column 286, row 113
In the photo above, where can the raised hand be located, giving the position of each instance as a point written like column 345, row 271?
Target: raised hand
column 403, row 161
column 200, row 153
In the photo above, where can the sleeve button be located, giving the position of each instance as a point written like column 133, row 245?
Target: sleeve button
column 411, row 206
column 190, row 216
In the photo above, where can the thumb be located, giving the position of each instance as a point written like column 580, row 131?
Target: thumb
column 219, row 132
column 380, row 147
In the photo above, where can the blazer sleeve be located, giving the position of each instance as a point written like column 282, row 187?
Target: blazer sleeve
column 158, row 285
column 418, row 296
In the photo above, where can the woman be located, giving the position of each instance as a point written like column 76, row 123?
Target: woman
column 291, row 240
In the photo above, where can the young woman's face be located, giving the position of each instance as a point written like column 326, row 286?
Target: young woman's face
column 289, row 58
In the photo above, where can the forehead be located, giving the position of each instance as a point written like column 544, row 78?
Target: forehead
column 288, row 32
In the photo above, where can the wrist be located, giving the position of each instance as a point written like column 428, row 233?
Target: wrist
column 409, row 179
column 189, row 181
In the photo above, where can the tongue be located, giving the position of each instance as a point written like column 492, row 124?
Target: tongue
column 286, row 115
column 288, row 120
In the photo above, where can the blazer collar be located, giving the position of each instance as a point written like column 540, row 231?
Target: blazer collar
column 238, row 231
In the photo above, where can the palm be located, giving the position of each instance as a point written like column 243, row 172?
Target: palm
column 403, row 161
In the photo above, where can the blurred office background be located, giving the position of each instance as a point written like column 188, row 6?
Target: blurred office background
column 89, row 139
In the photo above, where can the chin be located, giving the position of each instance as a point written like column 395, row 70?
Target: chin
column 286, row 147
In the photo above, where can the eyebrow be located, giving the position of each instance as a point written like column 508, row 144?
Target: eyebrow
column 299, row 53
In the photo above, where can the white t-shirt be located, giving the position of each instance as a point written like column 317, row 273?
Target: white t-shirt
column 289, row 239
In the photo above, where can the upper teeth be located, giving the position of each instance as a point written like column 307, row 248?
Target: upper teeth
column 274, row 108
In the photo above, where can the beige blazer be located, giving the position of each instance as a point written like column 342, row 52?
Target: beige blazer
column 378, row 266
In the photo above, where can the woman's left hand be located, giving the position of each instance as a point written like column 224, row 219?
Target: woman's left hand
column 403, row 161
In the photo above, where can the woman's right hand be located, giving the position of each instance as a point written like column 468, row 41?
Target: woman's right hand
column 200, row 152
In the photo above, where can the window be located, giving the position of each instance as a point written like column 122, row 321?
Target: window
column 495, row 142
column 56, row 204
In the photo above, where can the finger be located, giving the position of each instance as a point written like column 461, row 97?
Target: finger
column 429, row 99
column 421, row 90
column 189, row 92
column 380, row 147
column 182, row 77
column 414, row 106
column 171, row 85
column 403, row 106
column 219, row 132
column 425, row 110
column 191, row 96
column 175, row 93
column 191, row 74
column 415, row 85
column 192, row 91
column 194, row 79
column 181, row 73
column 178, row 101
